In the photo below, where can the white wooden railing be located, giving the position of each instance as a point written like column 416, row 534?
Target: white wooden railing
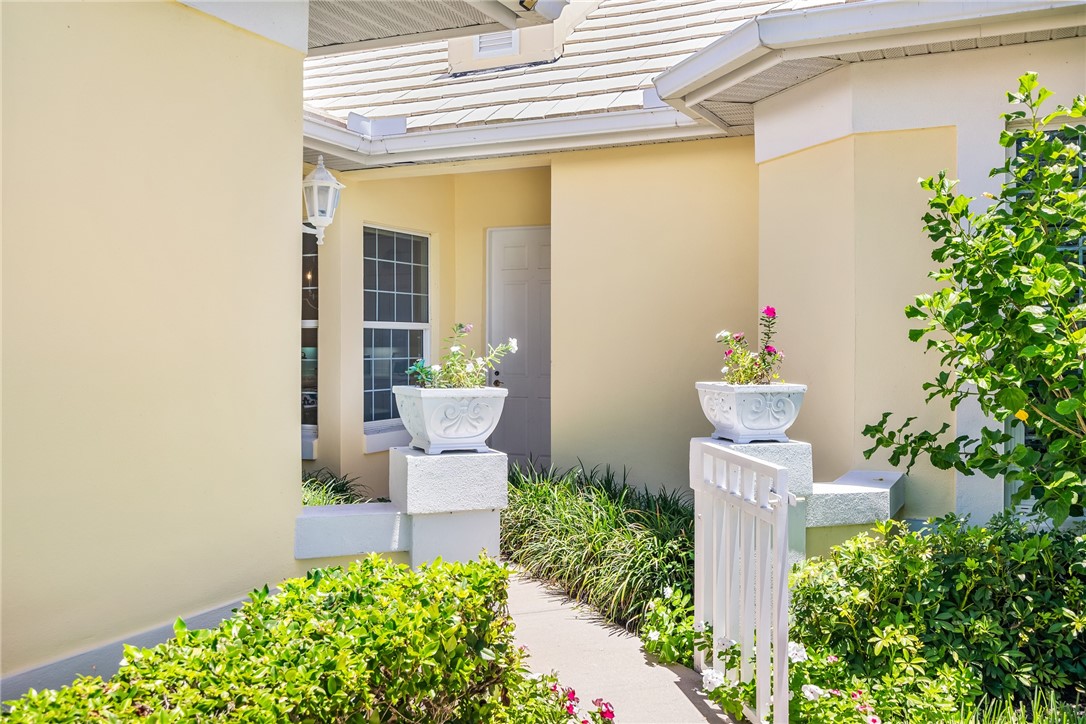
column 741, row 568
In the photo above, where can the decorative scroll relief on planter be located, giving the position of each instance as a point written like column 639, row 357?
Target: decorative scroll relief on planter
column 749, row 413
column 442, row 420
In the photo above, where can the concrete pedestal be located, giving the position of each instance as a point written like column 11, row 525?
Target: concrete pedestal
column 454, row 500
column 798, row 459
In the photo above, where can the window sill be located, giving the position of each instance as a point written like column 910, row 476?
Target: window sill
column 383, row 440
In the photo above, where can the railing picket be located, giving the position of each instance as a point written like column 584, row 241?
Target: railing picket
column 741, row 569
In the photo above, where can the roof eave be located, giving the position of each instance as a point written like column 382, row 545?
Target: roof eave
column 506, row 139
column 767, row 40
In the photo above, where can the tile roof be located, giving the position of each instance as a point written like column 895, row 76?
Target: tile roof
column 609, row 60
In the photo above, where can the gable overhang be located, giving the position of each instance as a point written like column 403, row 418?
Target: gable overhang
column 771, row 53
column 345, row 149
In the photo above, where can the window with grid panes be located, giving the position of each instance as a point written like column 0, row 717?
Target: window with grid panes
column 1076, row 253
column 396, row 329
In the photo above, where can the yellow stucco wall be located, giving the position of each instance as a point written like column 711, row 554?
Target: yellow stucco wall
column 455, row 210
column 840, row 266
column 654, row 250
column 150, row 297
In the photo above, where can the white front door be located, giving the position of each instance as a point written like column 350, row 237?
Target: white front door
column 519, row 305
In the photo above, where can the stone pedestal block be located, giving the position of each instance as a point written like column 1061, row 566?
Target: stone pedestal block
column 454, row 500
column 796, row 456
column 452, row 482
column 456, row 537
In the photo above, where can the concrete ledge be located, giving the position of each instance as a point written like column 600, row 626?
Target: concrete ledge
column 345, row 530
column 421, row 484
column 794, row 455
column 855, row 498
column 454, row 537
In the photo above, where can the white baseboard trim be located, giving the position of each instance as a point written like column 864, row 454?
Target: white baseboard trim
column 103, row 660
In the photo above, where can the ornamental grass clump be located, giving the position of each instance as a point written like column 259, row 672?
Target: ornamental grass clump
column 743, row 366
column 602, row 541
column 460, row 367
column 378, row 642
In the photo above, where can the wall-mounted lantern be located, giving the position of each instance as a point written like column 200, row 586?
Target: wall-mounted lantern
column 321, row 192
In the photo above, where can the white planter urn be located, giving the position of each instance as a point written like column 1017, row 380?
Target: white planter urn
column 750, row 413
column 441, row 420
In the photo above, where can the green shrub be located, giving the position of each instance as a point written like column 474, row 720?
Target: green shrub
column 324, row 487
column 669, row 631
column 605, row 543
column 378, row 642
column 1005, row 602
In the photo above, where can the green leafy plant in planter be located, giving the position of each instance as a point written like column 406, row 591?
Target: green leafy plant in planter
column 744, row 366
column 1009, row 320
column 460, row 367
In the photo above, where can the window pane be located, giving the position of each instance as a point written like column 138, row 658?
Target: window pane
column 309, row 243
column 421, row 311
column 386, row 276
column 403, row 247
column 403, row 278
column 386, row 308
column 369, row 243
column 420, row 280
column 386, row 244
column 421, row 250
column 369, row 308
column 369, row 274
column 415, row 344
column 309, row 376
column 382, row 340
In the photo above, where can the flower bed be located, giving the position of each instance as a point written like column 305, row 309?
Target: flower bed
column 377, row 642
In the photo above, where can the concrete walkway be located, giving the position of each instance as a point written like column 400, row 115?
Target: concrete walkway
column 599, row 659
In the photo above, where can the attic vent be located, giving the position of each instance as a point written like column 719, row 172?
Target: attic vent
column 492, row 45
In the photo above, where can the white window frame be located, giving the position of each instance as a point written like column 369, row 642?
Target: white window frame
column 381, row 435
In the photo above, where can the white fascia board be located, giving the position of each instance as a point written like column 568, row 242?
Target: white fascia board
column 733, row 51
column 880, row 18
column 507, row 139
column 852, row 27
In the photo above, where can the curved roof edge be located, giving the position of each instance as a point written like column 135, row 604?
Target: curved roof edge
column 765, row 42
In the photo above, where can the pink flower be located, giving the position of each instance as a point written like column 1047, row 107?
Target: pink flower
column 863, row 708
column 831, row 659
column 570, row 709
column 606, row 710
column 873, row 720
column 857, row 694
column 738, row 336
column 468, row 327
column 728, row 352
column 770, row 349
column 770, row 312
column 571, row 694
column 835, row 692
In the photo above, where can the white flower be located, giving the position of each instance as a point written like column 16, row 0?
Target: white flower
column 723, row 370
column 796, row 652
column 470, row 367
column 668, row 591
column 435, row 368
column 812, row 692
column 723, row 643
column 699, row 627
column 124, row 662
column 654, row 635
column 711, row 679
column 455, row 348
column 652, row 605
column 480, row 361
column 723, row 334
column 513, row 344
